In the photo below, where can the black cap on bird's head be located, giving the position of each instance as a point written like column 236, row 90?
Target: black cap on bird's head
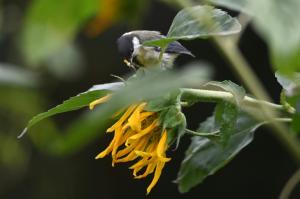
column 125, row 46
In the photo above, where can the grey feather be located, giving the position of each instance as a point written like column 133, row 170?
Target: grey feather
column 176, row 47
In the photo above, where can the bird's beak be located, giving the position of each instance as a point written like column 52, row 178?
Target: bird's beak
column 127, row 62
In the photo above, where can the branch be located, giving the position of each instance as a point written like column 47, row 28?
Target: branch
column 204, row 95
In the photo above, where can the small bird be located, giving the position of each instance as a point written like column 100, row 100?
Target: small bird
column 130, row 46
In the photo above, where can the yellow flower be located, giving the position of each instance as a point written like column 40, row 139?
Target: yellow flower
column 138, row 136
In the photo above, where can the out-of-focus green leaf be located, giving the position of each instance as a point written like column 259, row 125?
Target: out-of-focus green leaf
column 131, row 10
column 66, row 63
column 51, row 25
column 278, row 23
column 287, row 61
column 290, row 96
column 239, row 5
column 11, row 75
column 293, row 101
column 290, row 83
column 199, row 22
column 204, row 157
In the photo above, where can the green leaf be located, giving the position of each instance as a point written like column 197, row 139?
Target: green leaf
column 204, row 157
column 162, row 43
column 71, row 104
column 202, row 21
column 226, row 116
column 199, row 22
column 50, row 25
column 172, row 117
column 175, row 122
column 74, row 103
column 226, row 113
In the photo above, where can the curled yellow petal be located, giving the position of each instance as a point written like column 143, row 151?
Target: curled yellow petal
column 161, row 147
column 157, row 174
column 122, row 119
column 106, row 151
column 99, row 101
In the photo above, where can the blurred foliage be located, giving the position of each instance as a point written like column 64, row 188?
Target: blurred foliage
column 290, row 96
column 12, row 75
column 55, row 24
column 277, row 22
column 47, row 39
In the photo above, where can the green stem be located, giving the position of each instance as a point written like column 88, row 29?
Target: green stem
column 215, row 133
column 290, row 185
column 215, row 96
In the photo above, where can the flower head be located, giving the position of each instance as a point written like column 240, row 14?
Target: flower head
column 138, row 136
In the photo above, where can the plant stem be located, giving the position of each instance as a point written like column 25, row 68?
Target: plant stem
column 216, row 96
column 290, row 185
column 243, row 69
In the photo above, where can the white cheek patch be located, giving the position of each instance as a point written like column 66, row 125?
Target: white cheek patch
column 136, row 43
column 136, row 46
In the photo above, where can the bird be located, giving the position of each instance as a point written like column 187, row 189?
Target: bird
column 135, row 54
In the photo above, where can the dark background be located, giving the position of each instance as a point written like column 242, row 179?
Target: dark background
column 259, row 171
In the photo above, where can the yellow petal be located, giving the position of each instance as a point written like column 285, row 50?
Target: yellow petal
column 117, row 138
column 130, row 157
column 162, row 145
column 149, row 170
column 122, row 119
column 134, row 120
column 142, row 133
column 139, row 165
column 157, row 174
column 99, row 101
column 106, row 151
column 144, row 115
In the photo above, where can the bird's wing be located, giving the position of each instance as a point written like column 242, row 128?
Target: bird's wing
column 176, row 47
